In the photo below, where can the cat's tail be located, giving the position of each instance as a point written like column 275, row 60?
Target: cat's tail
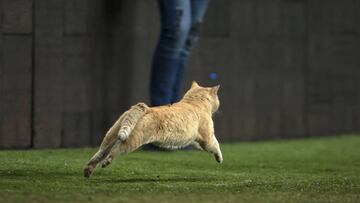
column 131, row 117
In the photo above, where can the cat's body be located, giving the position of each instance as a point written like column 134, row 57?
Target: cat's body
column 188, row 122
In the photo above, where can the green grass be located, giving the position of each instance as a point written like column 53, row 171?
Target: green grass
column 308, row 170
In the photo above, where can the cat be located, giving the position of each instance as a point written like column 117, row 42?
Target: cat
column 187, row 122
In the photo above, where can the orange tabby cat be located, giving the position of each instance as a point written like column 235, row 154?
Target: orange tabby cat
column 187, row 122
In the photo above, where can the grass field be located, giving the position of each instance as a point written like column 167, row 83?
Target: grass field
column 308, row 170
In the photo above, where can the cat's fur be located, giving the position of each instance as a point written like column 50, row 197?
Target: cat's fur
column 188, row 122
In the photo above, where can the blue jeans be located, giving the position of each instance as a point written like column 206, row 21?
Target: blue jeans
column 180, row 20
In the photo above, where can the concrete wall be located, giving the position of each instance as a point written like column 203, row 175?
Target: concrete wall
column 68, row 69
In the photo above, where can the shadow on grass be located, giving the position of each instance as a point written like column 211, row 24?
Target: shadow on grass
column 150, row 180
column 41, row 174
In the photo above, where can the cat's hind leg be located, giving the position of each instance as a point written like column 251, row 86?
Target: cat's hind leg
column 98, row 157
column 110, row 157
column 135, row 141
column 105, row 148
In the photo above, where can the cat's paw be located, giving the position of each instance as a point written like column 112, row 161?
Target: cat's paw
column 106, row 162
column 88, row 170
column 218, row 158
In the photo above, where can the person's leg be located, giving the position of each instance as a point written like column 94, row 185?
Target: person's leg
column 175, row 25
column 198, row 10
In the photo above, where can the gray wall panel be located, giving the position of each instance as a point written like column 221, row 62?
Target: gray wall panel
column 76, row 17
column 219, row 14
column 49, row 73
column 1, row 75
column 17, row 16
column 76, row 128
column 268, row 18
column 15, row 92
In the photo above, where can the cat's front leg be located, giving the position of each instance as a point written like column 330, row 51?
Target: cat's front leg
column 215, row 149
column 212, row 145
column 208, row 141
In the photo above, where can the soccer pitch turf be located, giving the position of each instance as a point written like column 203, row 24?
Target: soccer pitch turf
column 323, row 169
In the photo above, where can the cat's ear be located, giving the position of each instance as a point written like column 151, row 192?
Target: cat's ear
column 194, row 84
column 214, row 90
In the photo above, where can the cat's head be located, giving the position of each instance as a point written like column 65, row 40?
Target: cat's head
column 209, row 94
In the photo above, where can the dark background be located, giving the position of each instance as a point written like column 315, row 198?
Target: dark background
column 69, row 68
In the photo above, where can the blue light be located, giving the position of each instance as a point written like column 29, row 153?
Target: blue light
column 213, row 76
